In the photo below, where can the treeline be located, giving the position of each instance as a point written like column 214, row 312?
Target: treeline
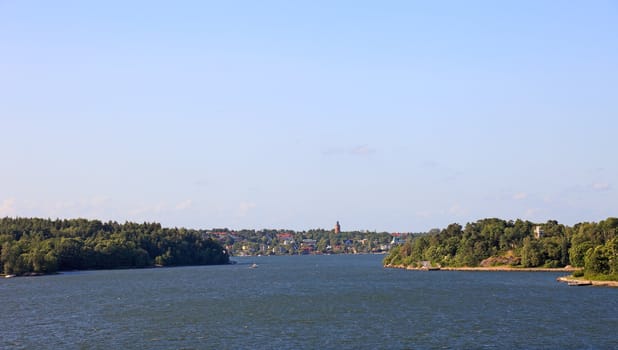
column 491, row 242
column 33, row 245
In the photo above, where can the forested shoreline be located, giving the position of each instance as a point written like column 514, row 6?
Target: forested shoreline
column 42, row 246
column 496, row 242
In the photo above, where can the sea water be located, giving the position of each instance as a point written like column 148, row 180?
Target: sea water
column 304, row 302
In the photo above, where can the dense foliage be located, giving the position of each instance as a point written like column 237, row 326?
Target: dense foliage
column 488, row 242
column 45, row 246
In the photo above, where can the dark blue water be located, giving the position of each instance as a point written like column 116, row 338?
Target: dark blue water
column 304, row 302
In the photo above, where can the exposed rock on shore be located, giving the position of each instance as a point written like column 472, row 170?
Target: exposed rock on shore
column 577, row 281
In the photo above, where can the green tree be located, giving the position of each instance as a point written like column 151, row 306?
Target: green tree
column 577, row 252
column 530, row 253
column 597, row 261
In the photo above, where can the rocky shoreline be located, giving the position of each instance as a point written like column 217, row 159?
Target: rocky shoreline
column 27, row 274
column 514, row 269
column 491, row 268
column 574, row 281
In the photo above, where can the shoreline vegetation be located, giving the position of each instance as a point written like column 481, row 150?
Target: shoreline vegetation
column 588, row 250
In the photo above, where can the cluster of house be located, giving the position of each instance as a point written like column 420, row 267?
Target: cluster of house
column 399, row 238
column 238, row 243
column 307, row 245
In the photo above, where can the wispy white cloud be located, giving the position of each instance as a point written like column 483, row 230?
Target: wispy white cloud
column 7, row 208
column 245, row 207
column 95, row 206
column 186, row 204
column 457, row 210
column 359, row 150
column 162, row 207
column 601, row 186
column 430, row 164
column 201, row 183
column 362, row 150
column 533, row 214
column 96, row 202
column 519, row 196
column 423, row 214
column 148, row 210
column 332, row 151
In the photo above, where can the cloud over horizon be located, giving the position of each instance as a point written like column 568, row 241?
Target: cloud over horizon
column 520, row 196
column 358, row 150
column 7, row 208
column 601, row 186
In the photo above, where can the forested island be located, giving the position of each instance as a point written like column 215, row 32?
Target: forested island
column 519, row 244
column 41, row 246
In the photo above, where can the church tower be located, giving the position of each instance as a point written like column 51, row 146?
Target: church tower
column 337, row 227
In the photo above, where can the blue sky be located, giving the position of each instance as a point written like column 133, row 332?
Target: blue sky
column 388, row 116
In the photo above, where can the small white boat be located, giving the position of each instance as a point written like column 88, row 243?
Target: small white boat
column 253, row 266
column 9, row 276
column 579, row 283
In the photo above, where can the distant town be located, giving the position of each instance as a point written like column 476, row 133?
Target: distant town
column 316, row 241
